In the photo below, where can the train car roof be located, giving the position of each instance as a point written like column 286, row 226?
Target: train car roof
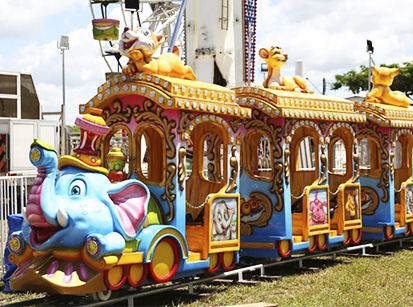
column 386, row 115
column 288, row 104
column 169, row 93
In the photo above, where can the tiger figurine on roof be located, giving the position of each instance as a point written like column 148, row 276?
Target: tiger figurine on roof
column 139, row 46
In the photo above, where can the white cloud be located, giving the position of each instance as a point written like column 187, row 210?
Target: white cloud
column 23, row 17
column 330, row 36
column 84, row 70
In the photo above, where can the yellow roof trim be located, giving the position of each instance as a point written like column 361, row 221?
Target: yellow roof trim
column 298, row 105
column 169, row 93
column 386, row 115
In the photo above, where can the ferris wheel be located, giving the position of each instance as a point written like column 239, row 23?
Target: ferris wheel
column 161, row 17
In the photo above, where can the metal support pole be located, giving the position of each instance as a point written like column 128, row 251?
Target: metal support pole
column 191, row 289
column 63, row 45
column 63, row 131
column 177, row 26
column 369, row 81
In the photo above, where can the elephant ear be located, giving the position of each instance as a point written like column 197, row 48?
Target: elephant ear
column 130, row 200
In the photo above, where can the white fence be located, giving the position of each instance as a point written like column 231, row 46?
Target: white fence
column 14, row 191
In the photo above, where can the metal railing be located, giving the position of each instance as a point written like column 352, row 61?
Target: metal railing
column 14, row 191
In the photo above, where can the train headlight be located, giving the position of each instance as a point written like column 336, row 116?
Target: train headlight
column 92, row 246
column 35, row 155
column 16, row 244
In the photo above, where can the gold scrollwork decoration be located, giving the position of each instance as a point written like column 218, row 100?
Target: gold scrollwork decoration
column 233, row 162
column 185, row 120
column 154, row 114
column 117, row 115
column 287, row 165
column 277, row 186
column 323, row 161
column 236, row 124
column 392, row 164
column 260, row 201
column 384, row 181
column 181, row 167
column 168, row 195
column 381, row 138
column 262, row 122
column 356, row 161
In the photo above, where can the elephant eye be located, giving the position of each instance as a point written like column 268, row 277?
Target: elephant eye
column 77, row 188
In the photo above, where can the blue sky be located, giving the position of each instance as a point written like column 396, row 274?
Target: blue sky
column 329, row 36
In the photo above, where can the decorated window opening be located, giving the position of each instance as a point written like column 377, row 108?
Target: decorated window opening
column 209, row 150
column 369, row 157
column 402, row 159
column 339, row 158
column 213, row 158
column 365, row 155
column 259, row 159
column 306, row 155
column 118, row 143
column 189, row 158
column 398, row 155
column 150, row 155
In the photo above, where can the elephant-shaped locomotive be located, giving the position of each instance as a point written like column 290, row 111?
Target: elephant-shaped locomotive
column 75, row 223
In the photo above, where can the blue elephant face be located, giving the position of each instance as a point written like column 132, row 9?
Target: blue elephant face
column 76, row 203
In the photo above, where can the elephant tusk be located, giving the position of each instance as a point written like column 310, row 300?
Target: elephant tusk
column 24, row 214
column 62, row 217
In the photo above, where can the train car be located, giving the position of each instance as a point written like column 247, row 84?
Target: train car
column 170, row 208
column 386, row 143
column 300, row 187
column 174, row 177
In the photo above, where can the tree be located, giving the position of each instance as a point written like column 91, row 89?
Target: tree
column 356, row 81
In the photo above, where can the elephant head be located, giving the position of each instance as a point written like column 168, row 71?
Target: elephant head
column 72, row 202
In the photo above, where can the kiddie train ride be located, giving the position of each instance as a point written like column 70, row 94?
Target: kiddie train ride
column 174, row 177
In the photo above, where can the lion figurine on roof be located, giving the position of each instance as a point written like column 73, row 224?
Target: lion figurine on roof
column 275, row 59
column 381, row 93
column 139, row 46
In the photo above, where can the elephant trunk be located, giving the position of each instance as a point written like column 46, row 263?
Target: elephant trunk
column 41, row 208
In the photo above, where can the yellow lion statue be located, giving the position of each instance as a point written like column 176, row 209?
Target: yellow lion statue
column 275, row 59
column 381, row 93
column 140, row 45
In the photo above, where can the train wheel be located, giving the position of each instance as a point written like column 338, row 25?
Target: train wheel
column 102, row 295
column 284, row 248
column 228, row 260
column 356, row 236
column 214, row 263
column 165, row 260
column 388, row 232
column 322, row 242
column 313, row 244
column 347, row 238
column 137, row 274
column 115, row 277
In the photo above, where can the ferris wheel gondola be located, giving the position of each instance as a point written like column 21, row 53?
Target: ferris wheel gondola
column 162, row 17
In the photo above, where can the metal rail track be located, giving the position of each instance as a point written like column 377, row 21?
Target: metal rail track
column 125, row 295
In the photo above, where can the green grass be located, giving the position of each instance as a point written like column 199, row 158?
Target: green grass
column 384, row 281
column 7, row 298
